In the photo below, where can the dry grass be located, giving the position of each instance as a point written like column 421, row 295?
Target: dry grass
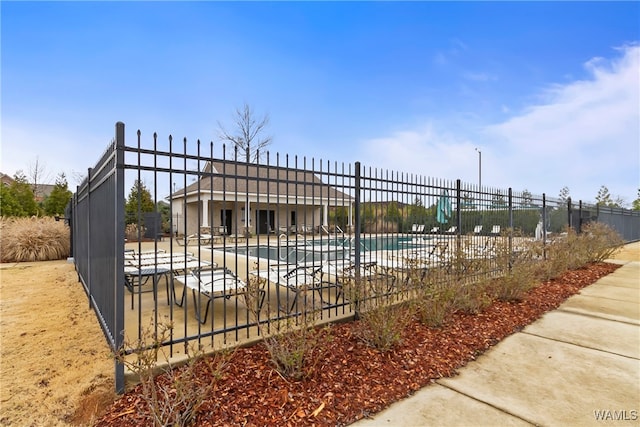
column 56, row 365
column 33, row 239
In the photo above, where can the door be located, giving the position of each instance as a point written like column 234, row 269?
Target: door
column 226, row 220
column 265, row 219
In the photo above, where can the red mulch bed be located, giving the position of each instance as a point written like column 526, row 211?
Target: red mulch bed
column 353, row 380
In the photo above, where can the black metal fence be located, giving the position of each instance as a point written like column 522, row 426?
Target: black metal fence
column 174, row 232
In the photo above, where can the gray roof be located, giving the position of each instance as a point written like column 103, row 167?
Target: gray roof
column 251, row 178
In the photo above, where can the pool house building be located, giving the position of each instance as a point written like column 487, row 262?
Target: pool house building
column 251, row 198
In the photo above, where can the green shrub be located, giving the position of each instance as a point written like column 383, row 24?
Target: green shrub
column 33, row 239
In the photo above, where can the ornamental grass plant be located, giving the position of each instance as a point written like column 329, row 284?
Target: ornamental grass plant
column 33, row 239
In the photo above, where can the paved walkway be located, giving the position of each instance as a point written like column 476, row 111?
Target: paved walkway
column 578, row 365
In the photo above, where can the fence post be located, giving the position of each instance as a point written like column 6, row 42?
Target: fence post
column 569, row 221
column 580, row 216
column 119, row 255
column 544, row 226
column 356, row 214
column 510, row 201
column 458, row 217
column 88, row 236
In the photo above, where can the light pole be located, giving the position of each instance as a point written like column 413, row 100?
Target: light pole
column 479, row 168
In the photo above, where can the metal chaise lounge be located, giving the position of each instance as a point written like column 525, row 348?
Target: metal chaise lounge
column 296, row 278
column 211, row 283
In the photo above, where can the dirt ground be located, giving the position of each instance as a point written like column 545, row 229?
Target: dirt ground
column 55, row 365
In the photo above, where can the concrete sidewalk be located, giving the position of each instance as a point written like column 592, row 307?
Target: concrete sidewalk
column 578, row 365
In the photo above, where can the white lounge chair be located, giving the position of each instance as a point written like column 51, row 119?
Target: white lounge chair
column 336, row 273
column 495, row 230
column 477, row 229
column 211, row 283
column 417, row 228
column 296, row 278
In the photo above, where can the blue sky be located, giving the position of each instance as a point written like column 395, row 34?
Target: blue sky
column 549, row 92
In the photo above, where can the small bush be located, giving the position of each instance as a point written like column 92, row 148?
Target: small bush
column 571, row 250
column 296, row 350
column 521, row 265
column 435, row 303
column 33, row 239
column 294, row 344
column 601, row 241
column 175, row 396
column 382, row 326
column 515, row 284
column 381, row 323
column 471, row 298
column 132, row 233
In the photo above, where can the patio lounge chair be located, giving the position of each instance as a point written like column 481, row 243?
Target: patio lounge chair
column 452, row 230
column 337, row 273
column 139, row 268
column 296, row 278
column 212, row 283
column 495, row 230
column 435, row 230
column 417, row 228
column 199, row 239
column 477, row 229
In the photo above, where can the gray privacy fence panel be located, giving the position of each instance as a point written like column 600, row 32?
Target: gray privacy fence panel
column 99, row 239
column 626, row 222
column 272, row 235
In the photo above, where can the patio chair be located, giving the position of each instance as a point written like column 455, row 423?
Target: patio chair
column 370, row 271
column 201, row 239
column 495, row 230
column 212, row 283
column 435, row 230
column 477, row 229
column 452, row 230
column 417, row 228
column 295, row 278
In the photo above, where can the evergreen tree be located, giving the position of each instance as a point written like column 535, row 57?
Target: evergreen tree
column 498, row 201
column 9, row 205
column 57, row 201
column 564, row 195
column 636, row 203
column 139, row 195
column 527, row 199
column 23, row 195
column 604, row 197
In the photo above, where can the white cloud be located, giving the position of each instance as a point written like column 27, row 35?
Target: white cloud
column 583, row 134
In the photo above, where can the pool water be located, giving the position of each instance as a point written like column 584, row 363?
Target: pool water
column 329, row 249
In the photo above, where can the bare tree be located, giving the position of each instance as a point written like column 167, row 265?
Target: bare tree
column 38, row 175
column 246, row 134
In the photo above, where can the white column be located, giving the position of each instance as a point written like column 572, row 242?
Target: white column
column 325, row 215
column 205, row 213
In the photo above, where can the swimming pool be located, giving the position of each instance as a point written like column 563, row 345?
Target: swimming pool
column 293, row 254
column 378, row 243
column 310, row 251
